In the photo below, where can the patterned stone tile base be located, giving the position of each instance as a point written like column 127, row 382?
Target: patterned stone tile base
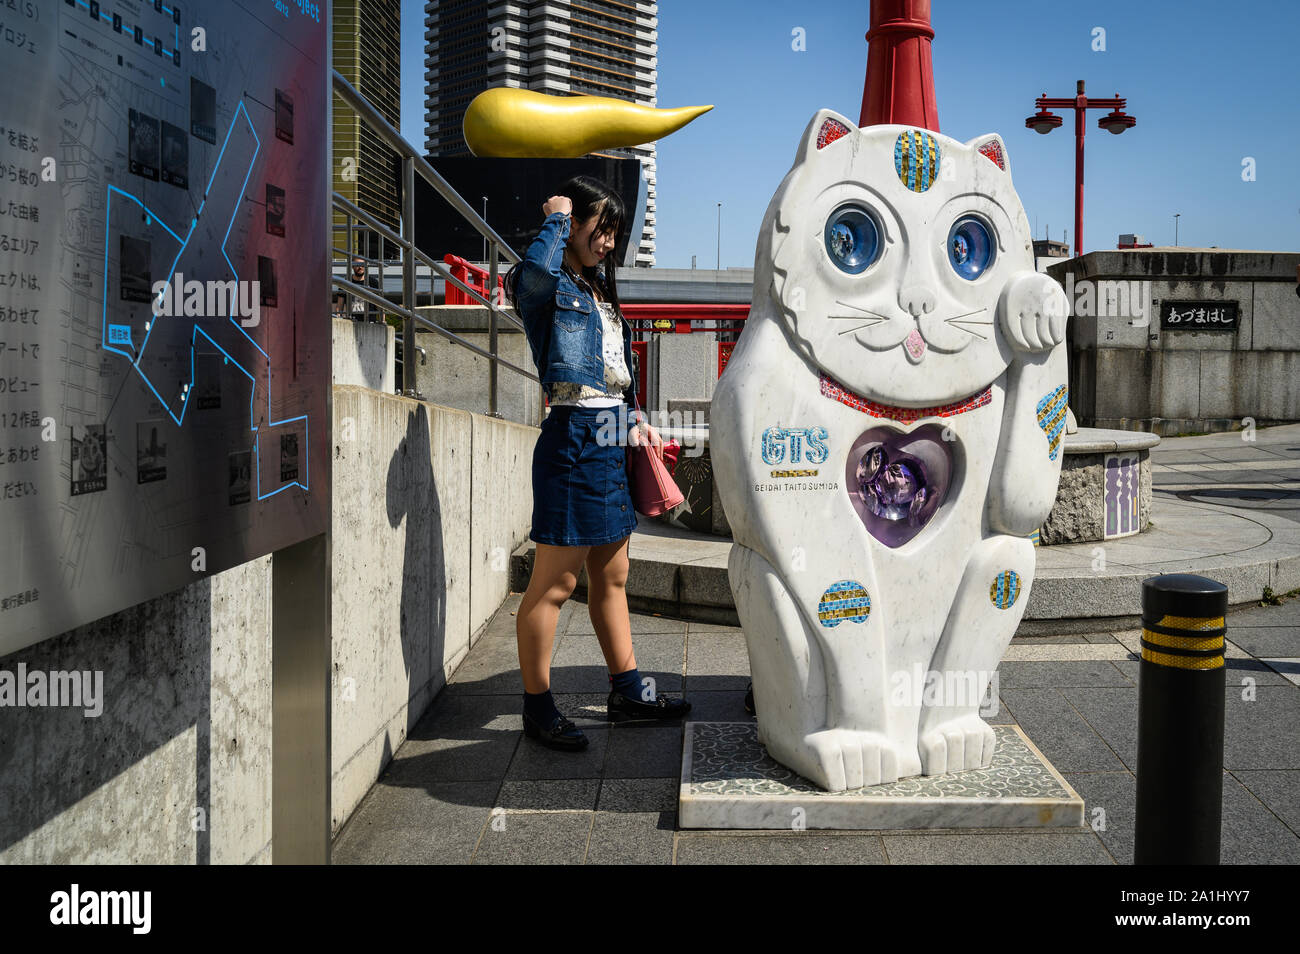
column 729, row 781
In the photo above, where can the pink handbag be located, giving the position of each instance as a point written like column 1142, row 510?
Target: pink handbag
column 653, row 489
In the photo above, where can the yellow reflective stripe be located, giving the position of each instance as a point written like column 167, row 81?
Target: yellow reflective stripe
column 1181, row 662
column 1184, row 642
column 1192, row 622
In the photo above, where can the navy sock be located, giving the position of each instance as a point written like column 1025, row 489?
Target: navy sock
column 629, row 684
column 541, row 708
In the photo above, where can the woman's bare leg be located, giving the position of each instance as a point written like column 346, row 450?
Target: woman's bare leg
column 555, row 574
column 607, row 603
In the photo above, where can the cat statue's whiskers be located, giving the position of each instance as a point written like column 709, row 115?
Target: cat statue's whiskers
column 965, row 319
column 870, row 324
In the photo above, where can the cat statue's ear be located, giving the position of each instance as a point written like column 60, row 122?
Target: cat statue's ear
column 992, row 148
column 826, row 127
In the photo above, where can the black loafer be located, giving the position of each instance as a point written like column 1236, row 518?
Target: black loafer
column 562, row 734
column 749, row 700
column 620, row 708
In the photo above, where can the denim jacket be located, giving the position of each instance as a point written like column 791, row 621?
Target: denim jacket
column 561, row 320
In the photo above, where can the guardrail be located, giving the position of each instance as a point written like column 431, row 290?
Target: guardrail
column 409, row 254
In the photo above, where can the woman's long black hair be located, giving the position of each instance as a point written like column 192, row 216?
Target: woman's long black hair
column 590, row 197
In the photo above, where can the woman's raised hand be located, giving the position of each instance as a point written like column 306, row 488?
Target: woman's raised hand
column 558, row 203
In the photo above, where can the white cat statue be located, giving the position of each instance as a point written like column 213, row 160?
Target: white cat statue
column 885, row 439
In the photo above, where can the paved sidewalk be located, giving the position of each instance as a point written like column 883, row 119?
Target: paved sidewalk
column 466, row 786
column 1259, row 474
column 1075, row 697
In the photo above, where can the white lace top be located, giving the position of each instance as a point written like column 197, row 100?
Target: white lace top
column 617, row 376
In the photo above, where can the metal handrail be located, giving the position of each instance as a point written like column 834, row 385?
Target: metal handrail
column 413, row 163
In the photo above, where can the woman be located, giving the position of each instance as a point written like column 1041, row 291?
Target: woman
column 582, row 507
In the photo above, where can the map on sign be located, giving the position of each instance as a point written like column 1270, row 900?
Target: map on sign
column 165, row 338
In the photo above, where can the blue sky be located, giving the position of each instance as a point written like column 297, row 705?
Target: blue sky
column 1209, row 83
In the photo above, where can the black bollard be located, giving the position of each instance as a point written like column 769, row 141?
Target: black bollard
column 1180, row 721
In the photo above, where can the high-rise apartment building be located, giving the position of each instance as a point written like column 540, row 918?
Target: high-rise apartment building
column 367, row 52
column 560, row 47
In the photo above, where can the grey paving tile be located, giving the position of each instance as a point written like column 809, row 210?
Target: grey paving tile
column 1059, row 732
column 1000, row 848
column 693, row 627
column 453, row 713
column 405, row 846
column 716, row 661
column 454, row 757
column 584, row 709
column 1288, row 614
column 1251, row 834
column 1262, row 734
column 998, row 715
column 712, row 705
column 1047, row 640
column 1109, row 808
column 434, row 824
column 525, row 838
column 1058, row 675
column 795, row 848
column 580, row 622
column 639, row 794
column 534, row 760
column 1112, row 713
column 1278, row 789
column 591, row 678
column 631, row 838
column 570, row 794
column 644, row 751
column 1268, row 640
column 492, row 666
column 1102, row 638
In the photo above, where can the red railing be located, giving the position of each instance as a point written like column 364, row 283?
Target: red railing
column 471, row 275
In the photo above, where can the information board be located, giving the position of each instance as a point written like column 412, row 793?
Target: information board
column 164, row 336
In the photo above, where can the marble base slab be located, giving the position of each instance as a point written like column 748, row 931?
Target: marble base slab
column 730, row 782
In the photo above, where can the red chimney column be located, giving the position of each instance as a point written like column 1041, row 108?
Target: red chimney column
column 900, row 77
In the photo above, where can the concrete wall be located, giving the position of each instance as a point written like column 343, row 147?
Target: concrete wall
column 454, row 376
column 682, row 367
column 177, row 767
column 1134, row 375
column 426, row 512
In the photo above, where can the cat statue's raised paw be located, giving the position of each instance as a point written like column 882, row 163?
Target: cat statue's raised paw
column 886, row 437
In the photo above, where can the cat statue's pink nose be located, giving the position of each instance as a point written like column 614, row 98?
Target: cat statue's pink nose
column 916, row 300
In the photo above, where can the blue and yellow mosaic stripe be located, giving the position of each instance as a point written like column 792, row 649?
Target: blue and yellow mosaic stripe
column 844, row 600
column 916, row 159
column 1005, row 589
column 1051, row 418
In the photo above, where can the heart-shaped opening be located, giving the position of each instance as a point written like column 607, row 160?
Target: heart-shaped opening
column 898, row 481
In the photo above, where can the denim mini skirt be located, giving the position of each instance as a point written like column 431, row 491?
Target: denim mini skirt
column 581, row 495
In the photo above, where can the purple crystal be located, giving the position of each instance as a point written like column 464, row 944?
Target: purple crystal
column 891, row 488
column 899, row 481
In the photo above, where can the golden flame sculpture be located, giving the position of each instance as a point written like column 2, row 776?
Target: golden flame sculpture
column 522, row 123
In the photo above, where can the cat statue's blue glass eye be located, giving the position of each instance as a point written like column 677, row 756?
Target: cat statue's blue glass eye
column 852, row 239
column 970, row 248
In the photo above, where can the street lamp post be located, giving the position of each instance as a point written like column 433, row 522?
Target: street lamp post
column 718, row 266
column 1176, row 214
column 1044, row 121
